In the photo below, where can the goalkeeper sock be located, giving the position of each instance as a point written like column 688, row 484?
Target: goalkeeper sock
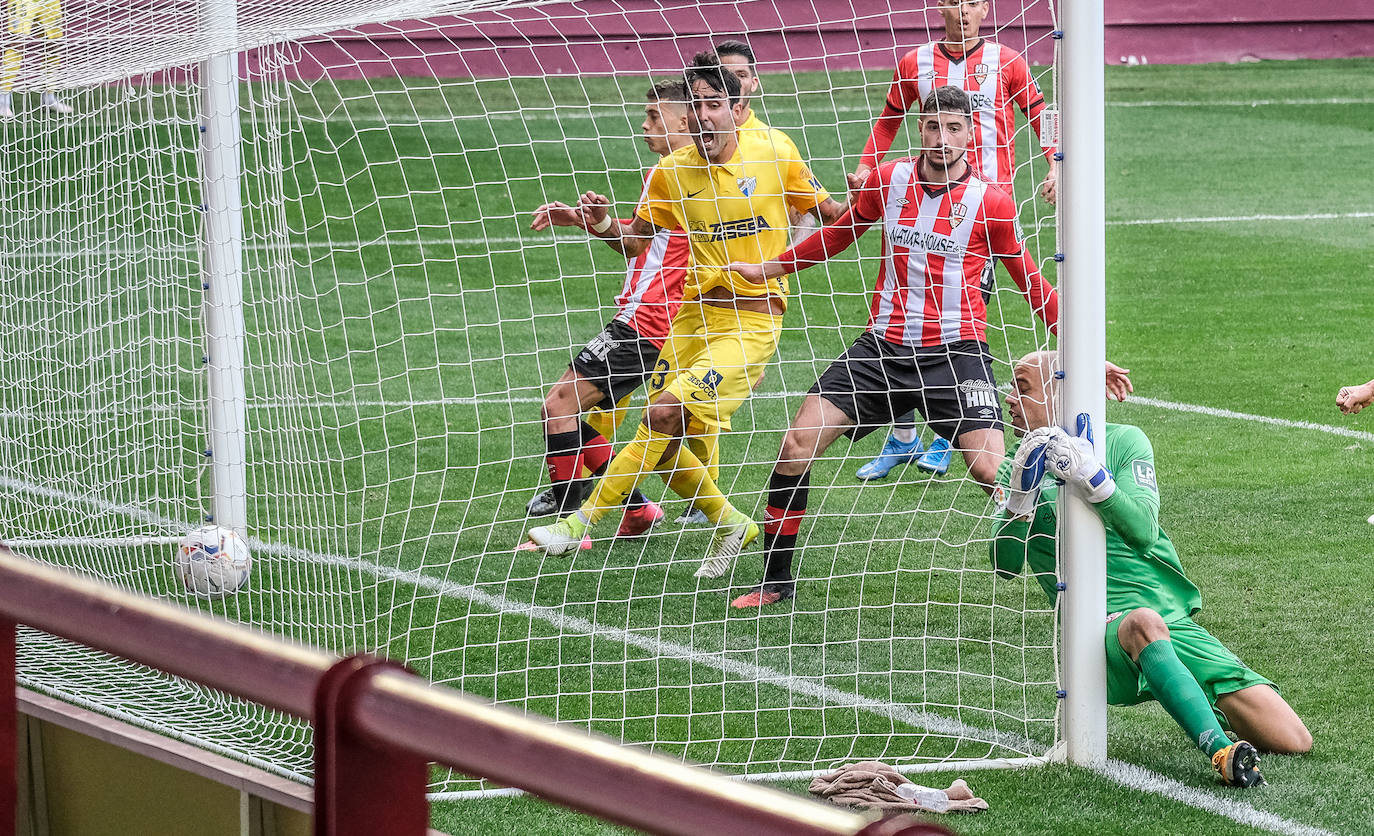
column 786, row 507
column 562, row 454
column 624, row 472
column 1176, row 689
column 690, row 480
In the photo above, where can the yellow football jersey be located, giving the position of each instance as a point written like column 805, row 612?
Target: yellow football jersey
column 736, row 211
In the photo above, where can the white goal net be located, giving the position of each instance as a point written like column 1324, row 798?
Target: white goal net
column 401, row 327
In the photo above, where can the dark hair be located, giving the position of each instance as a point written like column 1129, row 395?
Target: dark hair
column 739, row 48
column 670, row 90
column 948, row 99
column 706, row 67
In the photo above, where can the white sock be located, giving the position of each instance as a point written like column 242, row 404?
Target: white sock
column 5, row 99
column 906, row 435
column 49, row 97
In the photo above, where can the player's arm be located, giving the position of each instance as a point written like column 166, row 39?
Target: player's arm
column 1005, row 243
column 1126, row 496
column 834, row 238
column 592, row 215
column 1023, row 90
column 1018, row 486
column 901, row 97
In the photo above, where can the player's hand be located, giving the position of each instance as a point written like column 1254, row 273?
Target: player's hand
column 556, row 213
column 1027, row 469
column 594, row 208
column 1352, row 399
column 1118, row 382
column 752, row 273
column 1072, row 459
column 856, row 181
column 1049, row 189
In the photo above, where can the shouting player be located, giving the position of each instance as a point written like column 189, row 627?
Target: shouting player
column 617, row 361
column 924, row 347
column 995, row 78
column 731, row 191
column 1155, row 651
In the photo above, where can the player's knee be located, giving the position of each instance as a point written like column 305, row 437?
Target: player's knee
column 798, row 449
column 983, row 469
column 1139, row 628
column 665, row 418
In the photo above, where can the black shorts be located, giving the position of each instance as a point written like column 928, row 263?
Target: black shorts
column 875, row 381
column 617, row 361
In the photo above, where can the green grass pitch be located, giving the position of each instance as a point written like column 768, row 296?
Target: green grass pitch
column 396, row 375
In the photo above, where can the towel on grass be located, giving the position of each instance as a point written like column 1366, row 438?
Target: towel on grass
column 876, row 785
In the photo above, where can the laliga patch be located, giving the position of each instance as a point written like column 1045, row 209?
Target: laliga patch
column 1144, row 474
column 999, row 496
column 747, row 185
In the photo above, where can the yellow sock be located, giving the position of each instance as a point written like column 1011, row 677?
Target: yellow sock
column 690, row 479
column 9, row 70
column 707, row 449
column 624, row 472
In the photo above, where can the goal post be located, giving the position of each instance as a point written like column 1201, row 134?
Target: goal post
column 287, row 280
column 1083, row 547
column 222, row 250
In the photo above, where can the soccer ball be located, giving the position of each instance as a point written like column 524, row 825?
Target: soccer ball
column 213, row 562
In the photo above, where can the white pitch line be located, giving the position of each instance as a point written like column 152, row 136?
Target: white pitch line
column 1344, row 432
column 1224, row 219
column 1126, row 774
column 1338, row 100
column 411, row 242
column 1138, row 778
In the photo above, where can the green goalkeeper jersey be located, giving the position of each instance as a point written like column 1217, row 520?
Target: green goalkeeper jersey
column 1143, row 569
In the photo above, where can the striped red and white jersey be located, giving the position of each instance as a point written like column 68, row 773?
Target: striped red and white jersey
column 994, row 76
column 937, row 245
column 653, row 286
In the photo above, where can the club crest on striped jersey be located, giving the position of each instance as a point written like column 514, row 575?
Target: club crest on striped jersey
column 747, row 185
column 981, row 72
column 957, row 213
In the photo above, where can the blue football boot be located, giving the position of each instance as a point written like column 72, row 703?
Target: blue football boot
column 936, row 459
column 894, row 453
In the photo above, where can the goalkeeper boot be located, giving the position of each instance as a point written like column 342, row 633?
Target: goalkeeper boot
column 936, row 458
column 639, row 520
column 894, row 453
column 735, row 532
column 562, row 537
column 1238, row 765
column 693, row 516
column 771, row 592
column 55, row 105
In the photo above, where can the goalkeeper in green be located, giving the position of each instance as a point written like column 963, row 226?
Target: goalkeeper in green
column 1154, row 648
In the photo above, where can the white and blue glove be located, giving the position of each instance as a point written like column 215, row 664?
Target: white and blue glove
column 1027, row 469
column 1071, row 458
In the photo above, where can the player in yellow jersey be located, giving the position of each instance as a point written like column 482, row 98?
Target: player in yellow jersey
column 731, row 191
column 23, row 14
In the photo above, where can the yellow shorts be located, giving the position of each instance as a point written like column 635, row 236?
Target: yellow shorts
column 712, row 358
column 48, row 13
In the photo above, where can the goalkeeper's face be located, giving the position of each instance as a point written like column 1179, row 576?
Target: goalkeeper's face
column 1028, row 402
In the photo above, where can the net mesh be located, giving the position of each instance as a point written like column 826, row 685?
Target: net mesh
column 402, row 326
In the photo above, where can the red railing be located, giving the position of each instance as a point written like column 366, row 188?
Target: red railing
column 377, row 727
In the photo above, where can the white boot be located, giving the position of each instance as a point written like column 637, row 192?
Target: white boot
column 56, row 105
column 6, row 105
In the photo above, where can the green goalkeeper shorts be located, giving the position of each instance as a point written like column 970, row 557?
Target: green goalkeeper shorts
column 1217, row 670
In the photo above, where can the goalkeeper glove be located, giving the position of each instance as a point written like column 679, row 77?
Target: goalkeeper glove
column 1072, row 459
column 1027, row 469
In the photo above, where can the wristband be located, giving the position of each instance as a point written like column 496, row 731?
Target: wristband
column 602, row 225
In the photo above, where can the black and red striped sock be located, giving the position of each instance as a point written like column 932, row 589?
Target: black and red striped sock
column 564, row 458
column 782, row 520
